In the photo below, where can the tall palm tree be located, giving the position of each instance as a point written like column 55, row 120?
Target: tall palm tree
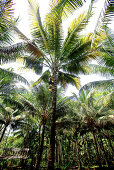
column 65, row 57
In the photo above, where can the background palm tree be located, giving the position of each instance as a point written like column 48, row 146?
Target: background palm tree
column 93, row 111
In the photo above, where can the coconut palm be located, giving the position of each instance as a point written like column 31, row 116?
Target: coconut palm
column 92, row 112
column 65, row 57
column 8, row 117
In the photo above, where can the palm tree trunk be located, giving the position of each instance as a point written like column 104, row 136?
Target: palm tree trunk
column 51, row 157
column 77, row 150
column 56, row 149
column 4, row 130
column 88, row 150
column 110, row 142
column 102, row 149
column 40, row 150
column 96, row 147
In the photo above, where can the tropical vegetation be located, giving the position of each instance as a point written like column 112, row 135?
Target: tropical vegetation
column 60, row 132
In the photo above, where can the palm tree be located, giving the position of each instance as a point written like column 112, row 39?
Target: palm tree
column 8, row 117
column 65, row 57
column 93, row 112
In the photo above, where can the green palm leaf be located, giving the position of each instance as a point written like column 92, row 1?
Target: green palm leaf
column 38, row 31
column 65, row 78
column 13, row 76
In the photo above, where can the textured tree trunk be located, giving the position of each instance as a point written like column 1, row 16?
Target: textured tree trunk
column 77, row 150
column 56, row 149
column 110, row 142
column 96, row 148
column 40, row 150
column 51, row 157
column 4, row 130
column 103, row 150
column 88, row 151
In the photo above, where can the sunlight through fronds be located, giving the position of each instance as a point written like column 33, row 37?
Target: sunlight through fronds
column 74, row 29
column 20, row 60
column 66, row 78
column 77, row 82
column 37, row 28
column 76, row 23
column 100, row 37
column 43, row 78
column 13, row 75
column 64, row 7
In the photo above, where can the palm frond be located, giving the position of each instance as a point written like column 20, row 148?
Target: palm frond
column 37, row 28
column 103, row 70
column 101, row 84
column 109, row 13
column 65, row 78
column 43, row 98
column 31, row 62
column 13, row 76
column 73, row 31
column 43, row 78
column 74, row 50
column 102, row 15
column 64, row 8
column 6, row 9
column 14, row 103
column 4, row 110
column 28, row 106
column 10, row 53
column 54, row 31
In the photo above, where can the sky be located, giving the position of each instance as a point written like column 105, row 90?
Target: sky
column 21, row 11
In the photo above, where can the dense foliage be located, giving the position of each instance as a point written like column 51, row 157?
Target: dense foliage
column 58, row 131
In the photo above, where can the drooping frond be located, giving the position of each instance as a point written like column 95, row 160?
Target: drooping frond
column 103, row 13
column 5, row 35
column 30, row 62
column 28, row 106
column 109, row 13
column 78, row 56
column 10, row 53
column 103, row 70
column 6, row 12
column 43, row 78
column 101, row 84
column 65, row 78
column 4, row 110
column 13, row 75
column 13, row 103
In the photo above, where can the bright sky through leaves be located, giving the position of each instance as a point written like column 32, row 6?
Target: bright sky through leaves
column 22, row 11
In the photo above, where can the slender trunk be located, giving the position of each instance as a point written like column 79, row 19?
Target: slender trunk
column 96, row 147
column 110, row 142
column 56, row 149
column 39, row 134
column 59, row 154
column 77, row 150
column 88, row 151
column 103, row 150
column 51, row 157
column 4, row 130
column 40, row 150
